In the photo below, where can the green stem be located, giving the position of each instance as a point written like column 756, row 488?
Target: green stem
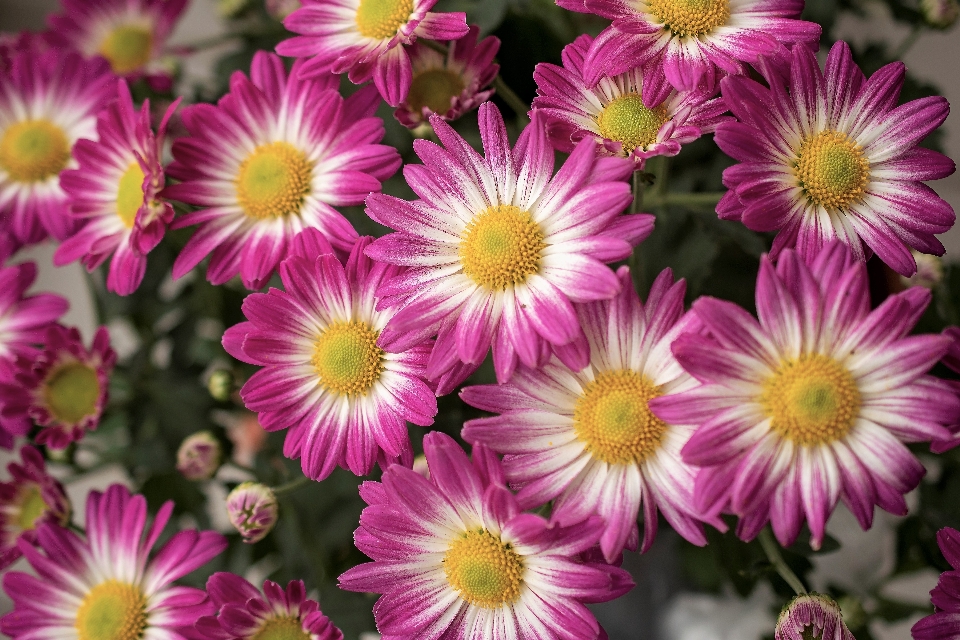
column 704, row 199
column 772, row 549
column 908, row 42
column 291, row 486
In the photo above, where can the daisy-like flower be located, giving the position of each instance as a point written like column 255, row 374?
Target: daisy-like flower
column 130, row 34
column 32, row 498
column 689, row 43
column 587, row 440
column 454, row 557
column 115, row 191
column 831, row 155
column 106, row 585
column 325, row 377
column 449, row 85
column 944, row 624
column 63, row 389
column 244, row 614
column 811, row 615
column 366, row 39
column 269, row 161
column 501, row 250
column 812, row 404
column 48, row 100
column 614, row 112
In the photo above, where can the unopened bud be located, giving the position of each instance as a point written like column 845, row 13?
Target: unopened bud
column 940, row 13
column 199, row 456
column 220, row 385
column 929, row 271
column 809, row 616
column 252, row 509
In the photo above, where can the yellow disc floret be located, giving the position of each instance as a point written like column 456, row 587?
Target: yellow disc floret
column 127, row 48
column 613, row 419
column 130, row 194
column 273, row 181
column 484, row 570
column 626, row 120
column 347, row 359
column 112, row 610
column 32, row 506
column 382, row 19
column 832, row 170
column 281, row 628
column 811, row 400
column 72, row 392
column 690, row 17
column 501, row 246
column 34, row 150
column 434, row 89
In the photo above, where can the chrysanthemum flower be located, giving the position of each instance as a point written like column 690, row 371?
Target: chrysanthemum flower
column 63, row 389
column 812, row 404
column 344, row 398
column 952, row 361
column 811, row 615
column 831, row 155
column 106, row 586
column 944, row 624
column 115, row 191
column 269, row 161
column 48, row 100
column 500, row 249
column 244, row 614
column 365, row 39
column 454, row 557
column 32, row 498
column 130, row 34
column 587, row 440
column 689, row 43
column 450, row 85
column 614, row 113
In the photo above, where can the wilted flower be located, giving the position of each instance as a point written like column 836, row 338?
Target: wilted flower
column 811, row 615
column 252, row 509
column 940, row 13
column 199, row 456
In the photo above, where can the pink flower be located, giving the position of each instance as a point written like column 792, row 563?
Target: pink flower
column 944, row 623
column 366, row 39
column 106, row 582
column 500, row 249
column 812, row 404
column 273, row 158
column 811, row 615
column 829, row 155
column 455, row 557
column 115, row 191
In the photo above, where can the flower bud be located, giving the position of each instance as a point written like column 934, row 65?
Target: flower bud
column 940, row 13
column 199, row 456
column 929, row 271
column 220, row 385
column 252, row 509
column 811, row 615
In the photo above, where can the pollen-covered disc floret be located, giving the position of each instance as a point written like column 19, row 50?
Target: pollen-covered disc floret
column 812, row 404
column 620, row 112
column 296, row 149
column 500, row 248
column 367, row 39
column 468, row 560
column 587, row 440
column 343, row 397
column 115, row 194
column 106, row 586
column 243, row 613
column 829, row 155
column 49, row 99
column 63, row 389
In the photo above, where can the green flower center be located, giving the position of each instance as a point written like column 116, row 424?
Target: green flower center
column 34, row 150
column 273, row 181
column 127, row 48
column 434, row 89
column 130, row 194
column 72, row 392
column 32, row 506
column 483, row 570
column 347, row 359
column 627, row 121
column 281, row 628
column 690, row 17
column 382, row 19
column 832, row 170
column 501, row 246
column 112, row 611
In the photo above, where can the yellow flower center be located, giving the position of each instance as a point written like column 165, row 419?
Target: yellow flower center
column 127, row 48
column 383, row 18
column 72, row 392
column 690, row 17
column 812, row 400
column 34, row 150
column 112, row 611
column 484, row 571
column 273, row 181
column 627, row 121
column 613, row 419
column 501, row 247
column 130, row 194
column 434, row 89
column 32, row 506
column 832, row 169
column 347, row 358
column 281, row 628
